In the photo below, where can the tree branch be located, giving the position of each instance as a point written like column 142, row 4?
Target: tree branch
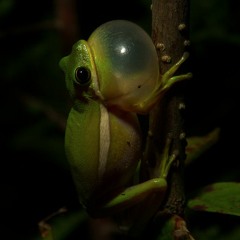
column 170, row 23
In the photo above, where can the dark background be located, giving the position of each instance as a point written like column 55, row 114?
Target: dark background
column 35, row 179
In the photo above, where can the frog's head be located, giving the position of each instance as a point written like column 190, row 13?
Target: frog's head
column 80, row 72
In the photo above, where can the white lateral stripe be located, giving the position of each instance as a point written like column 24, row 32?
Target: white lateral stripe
column 104, row 139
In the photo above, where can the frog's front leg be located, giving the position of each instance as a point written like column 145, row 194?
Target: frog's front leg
column 168, row 79
column 164, row 83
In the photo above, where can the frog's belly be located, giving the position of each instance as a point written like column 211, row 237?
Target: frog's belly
column 103, row 149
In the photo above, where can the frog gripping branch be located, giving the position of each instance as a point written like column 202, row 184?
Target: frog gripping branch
column 111, row 78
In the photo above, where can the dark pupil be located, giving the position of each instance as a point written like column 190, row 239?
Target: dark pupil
column 83, row 75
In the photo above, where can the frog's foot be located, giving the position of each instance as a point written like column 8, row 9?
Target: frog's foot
column 166, row 160
column 168, row 79
column 168, row 164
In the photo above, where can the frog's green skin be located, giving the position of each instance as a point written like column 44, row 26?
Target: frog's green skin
column 111, row 78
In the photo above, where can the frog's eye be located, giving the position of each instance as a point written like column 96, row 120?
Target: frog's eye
column 82, row 75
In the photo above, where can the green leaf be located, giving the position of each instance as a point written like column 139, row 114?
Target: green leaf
column 60, row 227
column 167, row 230
column 222, row 197
column 198, row 145
column 174, row 228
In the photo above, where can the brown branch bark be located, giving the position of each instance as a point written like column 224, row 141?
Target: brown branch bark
column 170, row 24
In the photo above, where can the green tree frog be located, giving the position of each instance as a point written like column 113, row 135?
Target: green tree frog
column 111, row 78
